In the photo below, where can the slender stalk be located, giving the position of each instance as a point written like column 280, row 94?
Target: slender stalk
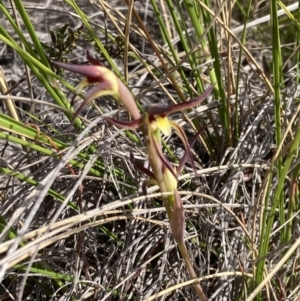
column 298, row 44
column 169, row 204
column 30, row 29
column 188, row 263
column 168, row 39
column 269, row 217
column 292, row 203
column 277, row 75
column 216, row 75
column 238, row 126
column 164, row 65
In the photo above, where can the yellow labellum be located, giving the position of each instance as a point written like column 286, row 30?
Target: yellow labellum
column 112, row 79
column 170, row 181
column 82, row 85
column 164, row 125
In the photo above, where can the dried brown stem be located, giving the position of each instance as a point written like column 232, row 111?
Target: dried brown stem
column 189, row 265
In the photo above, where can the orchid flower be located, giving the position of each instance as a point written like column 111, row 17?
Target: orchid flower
column 154, row 124
column 106, row 83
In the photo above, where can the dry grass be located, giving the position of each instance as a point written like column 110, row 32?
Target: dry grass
column 110, row 242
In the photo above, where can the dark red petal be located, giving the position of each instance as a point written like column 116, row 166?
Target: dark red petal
column 124, row 124
column 93, row 73
column 141, row 167
column 178, row 219
column 128, row 101
column 90, row 96
column 158, row 110
column 185, row 156
column 103, row 88
column 190, row 104
column 180, row 132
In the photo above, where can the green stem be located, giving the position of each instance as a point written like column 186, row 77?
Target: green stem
column 277, row 75
column 292, row 203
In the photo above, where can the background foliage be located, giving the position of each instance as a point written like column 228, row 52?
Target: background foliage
column 74, row 224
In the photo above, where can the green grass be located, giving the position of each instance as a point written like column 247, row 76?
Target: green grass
column 247, row 155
